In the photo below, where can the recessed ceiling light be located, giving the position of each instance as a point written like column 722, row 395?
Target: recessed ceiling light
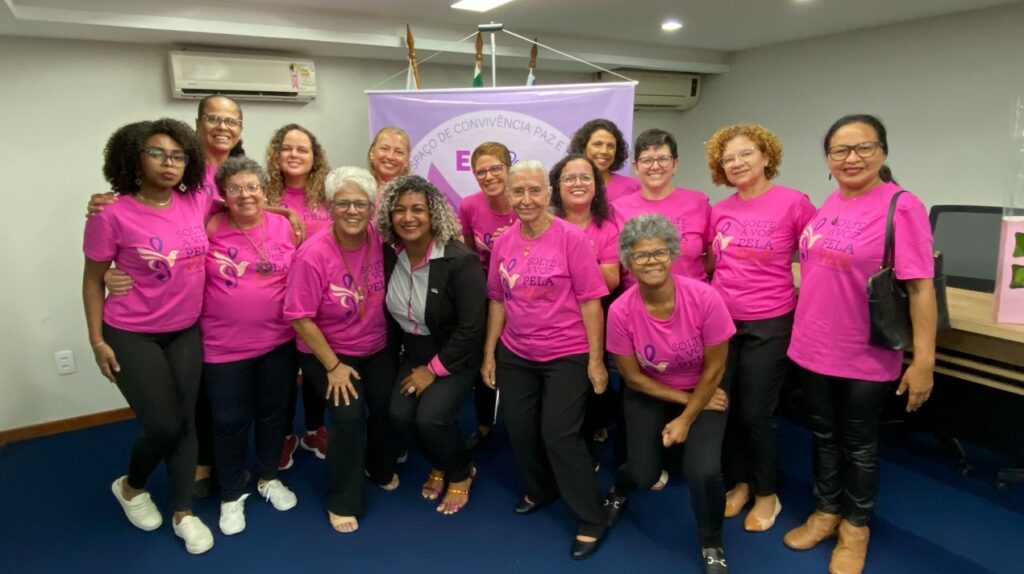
column 479, row 5
column 671, row 25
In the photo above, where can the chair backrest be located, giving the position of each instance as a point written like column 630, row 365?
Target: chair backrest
column 968, row 237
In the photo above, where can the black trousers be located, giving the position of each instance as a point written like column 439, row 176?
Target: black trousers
column 755, row 372
column 645, row 417
column 241, row 393
column 359, row 437
column 432, row 419
column 313, row 405
column 543, row 404
column 844, row 416
column 160, row 380
column 484, row 400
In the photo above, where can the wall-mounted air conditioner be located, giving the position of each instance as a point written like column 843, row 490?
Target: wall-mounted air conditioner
column 659, row 90
column 195, row 75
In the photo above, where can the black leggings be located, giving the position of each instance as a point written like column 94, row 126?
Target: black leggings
column 241, row 393
column 159, row 378
column 433, row 417
column 543, row 404
column 360, row 439
column 844, row 416
column 313, row 405
column 754, row 374
column 645, row 417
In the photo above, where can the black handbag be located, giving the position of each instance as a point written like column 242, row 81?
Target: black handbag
column 888, row 301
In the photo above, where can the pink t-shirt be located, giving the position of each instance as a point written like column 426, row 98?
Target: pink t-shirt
column 162, row 250
column 603, row 240
column 542, row 291
column 242, row 307
column 753, row 243
column 831, row 329
column 479, row 224
column 314, row 219
column 688, row 210
column 619, row 186
column 670, row 351
column 322, row 287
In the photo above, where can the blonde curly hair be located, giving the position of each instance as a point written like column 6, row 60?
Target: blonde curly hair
column 315, row 194
column 443, row 223
column 766, row 141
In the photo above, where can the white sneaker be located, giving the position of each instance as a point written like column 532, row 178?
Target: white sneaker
column 141, row 511
column 197, row 536
column 232, row 516
column 278, row 494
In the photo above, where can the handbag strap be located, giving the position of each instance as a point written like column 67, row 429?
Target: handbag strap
column 888, row 254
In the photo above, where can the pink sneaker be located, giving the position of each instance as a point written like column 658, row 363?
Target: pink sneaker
column 315, row 442
column 291, row 442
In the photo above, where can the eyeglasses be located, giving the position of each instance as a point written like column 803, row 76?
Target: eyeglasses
column 584, row 179
column 643, row 257
column 236, row 190
column 493, row 170
column 212, row 120
column 346, row 204
column 160, row 156
column 745, row 156
column 863, row 149
column 663, row 160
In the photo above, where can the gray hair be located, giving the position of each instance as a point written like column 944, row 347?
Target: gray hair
column 349, row 175
column 649, row 226
column 529, row 165
column 236, row 165
column 443, row 223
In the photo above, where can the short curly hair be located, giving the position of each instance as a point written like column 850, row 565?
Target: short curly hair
column 598, row 206
column 315, row 194
column 443, row 223
column 234, row 166
column 353, row 176
column 580, row 139
column 122, row 154
column 766, row 141
column 648, row 226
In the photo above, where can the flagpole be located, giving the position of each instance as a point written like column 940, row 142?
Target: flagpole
column 493, row 28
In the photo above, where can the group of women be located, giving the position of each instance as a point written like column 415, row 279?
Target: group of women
column 401, row 308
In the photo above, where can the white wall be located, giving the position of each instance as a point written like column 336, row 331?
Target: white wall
column 945, row 87
column 59, row 103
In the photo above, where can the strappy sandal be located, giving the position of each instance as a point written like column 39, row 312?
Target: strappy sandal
column 432, row 488
column 448, row 508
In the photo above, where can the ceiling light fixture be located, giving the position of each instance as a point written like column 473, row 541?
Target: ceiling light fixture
column 671, row 25
column 479, row 5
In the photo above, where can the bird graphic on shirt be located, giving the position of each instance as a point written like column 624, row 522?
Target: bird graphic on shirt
column 227, row 266
column 154, row 258
column 510, row 278
column 346, row 297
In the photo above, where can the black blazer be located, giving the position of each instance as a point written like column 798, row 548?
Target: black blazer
column 456, row 306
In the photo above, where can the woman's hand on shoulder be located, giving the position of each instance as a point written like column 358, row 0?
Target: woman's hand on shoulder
column 97, row 201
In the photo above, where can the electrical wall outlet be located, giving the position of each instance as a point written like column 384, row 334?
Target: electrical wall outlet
column 65, row 361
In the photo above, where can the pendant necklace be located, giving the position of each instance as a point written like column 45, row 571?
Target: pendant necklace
column 839, row 210
column 263, row 266
column 360, row 287
column 153, row 202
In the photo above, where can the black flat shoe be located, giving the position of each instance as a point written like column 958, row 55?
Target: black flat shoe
column 614, row 504
column 714, row 560
column 476, row 438
column 583, row 550
column 527, row 506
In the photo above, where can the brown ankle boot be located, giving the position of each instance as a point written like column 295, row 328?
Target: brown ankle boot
column 851, row 551
column 819, row 526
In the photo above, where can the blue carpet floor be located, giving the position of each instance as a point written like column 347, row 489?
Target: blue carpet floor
column 57, row 515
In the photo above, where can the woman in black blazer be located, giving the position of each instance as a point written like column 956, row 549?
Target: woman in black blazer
column 436, row 300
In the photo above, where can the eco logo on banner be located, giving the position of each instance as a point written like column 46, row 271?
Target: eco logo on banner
column 534, row 122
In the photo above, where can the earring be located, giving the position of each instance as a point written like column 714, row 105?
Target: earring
column 181, row 187
column 830, row 176
column 138, row 180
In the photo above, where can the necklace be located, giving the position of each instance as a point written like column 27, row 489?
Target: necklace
column 163, row 203
column 263, row 266
column 360, row 288
column 842, row 205
column 528, row 241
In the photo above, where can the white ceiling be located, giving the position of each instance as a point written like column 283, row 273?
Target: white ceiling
column 612, row 33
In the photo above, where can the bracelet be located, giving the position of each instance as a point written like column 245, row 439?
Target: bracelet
column 338, row 364
column 100, row 343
